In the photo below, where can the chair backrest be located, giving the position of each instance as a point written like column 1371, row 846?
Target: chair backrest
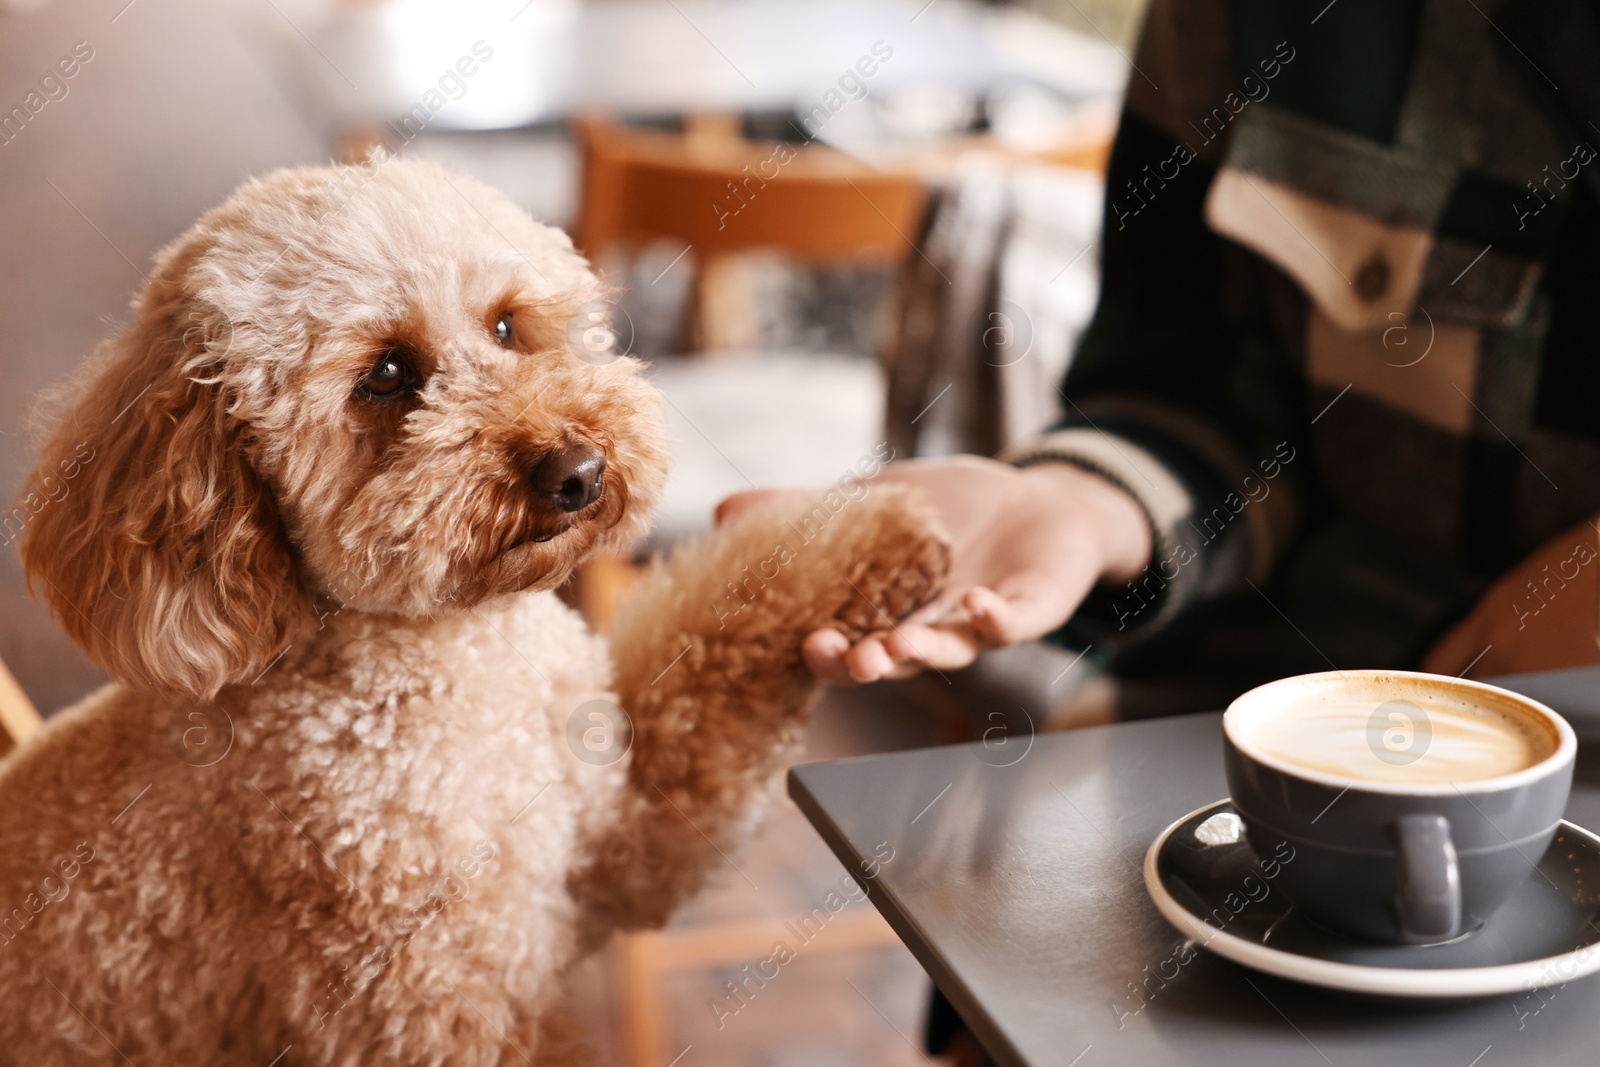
column 723, row 194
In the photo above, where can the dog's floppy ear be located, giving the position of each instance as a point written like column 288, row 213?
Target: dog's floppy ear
column 147, row 532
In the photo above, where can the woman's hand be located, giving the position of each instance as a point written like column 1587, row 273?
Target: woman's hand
column 1026, row 546
column 1539, row 616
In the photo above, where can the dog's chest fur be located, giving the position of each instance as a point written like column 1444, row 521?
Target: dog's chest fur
column 419, row 745
column 399, row 807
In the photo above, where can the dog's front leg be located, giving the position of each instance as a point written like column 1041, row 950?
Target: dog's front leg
column 709, row 669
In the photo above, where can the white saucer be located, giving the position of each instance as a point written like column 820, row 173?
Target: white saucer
column 1546, row 934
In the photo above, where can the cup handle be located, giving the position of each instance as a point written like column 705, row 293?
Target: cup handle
column 1428, row 894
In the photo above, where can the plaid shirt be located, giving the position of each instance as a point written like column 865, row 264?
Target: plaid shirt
column 1343, row 356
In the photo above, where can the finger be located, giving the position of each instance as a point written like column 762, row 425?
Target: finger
column 824, row 654
column 739, row 503
column 939, row 609
column 867, row 661
column 945, row 647
column 1021, row 607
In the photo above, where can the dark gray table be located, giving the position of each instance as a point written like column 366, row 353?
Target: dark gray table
column 1015, row 879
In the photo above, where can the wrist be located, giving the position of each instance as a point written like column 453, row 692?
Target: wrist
column 1119, row 531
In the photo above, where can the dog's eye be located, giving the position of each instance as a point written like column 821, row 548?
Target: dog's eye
column 392, row 376
column 502, row 330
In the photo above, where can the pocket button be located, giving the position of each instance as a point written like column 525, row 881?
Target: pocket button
column 1372, row 280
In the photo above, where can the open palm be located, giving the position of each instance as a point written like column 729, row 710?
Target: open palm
column 1026, row 546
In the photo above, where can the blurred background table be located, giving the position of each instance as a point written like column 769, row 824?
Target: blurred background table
column 1016, row 881
column 556, row 58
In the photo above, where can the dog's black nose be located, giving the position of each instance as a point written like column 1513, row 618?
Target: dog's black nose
column 571, row 478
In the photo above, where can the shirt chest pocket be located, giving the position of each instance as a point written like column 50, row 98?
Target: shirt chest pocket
column 1352, row 221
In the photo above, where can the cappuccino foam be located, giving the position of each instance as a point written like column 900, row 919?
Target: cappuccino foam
column 1448, row 742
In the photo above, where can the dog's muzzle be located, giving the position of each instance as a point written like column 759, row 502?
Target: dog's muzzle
column 571, row 478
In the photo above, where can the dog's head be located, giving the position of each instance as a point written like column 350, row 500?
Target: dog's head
column 347, row 387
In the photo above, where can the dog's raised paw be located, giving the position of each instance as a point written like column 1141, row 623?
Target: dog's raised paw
column 897, row 561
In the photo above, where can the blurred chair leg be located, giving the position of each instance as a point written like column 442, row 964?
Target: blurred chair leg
column 725, row 306
column 357, row 145
column 18, row 716
column 599, row 586
column 643, row 1025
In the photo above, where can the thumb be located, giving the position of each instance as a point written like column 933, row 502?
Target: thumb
column 739, row 503
column 1024, row 606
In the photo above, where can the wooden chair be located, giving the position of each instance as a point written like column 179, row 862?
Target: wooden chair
column 721, row 195
column 18, row 719
column 718, row 193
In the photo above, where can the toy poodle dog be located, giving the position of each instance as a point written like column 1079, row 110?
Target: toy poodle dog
column 363, row 787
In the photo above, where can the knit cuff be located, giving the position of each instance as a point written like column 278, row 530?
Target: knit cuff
column 1186, row 562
